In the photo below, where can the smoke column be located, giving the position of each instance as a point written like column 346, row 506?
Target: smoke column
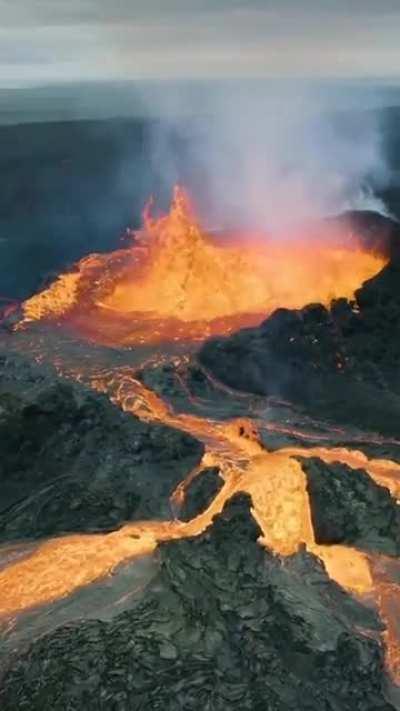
column 268, row 155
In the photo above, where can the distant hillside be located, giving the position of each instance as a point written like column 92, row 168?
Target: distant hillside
column 67, row 188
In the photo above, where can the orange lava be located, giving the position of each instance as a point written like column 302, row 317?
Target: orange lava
column 277, row 486
column 175, row 282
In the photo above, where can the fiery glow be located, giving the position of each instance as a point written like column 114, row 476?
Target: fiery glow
column 178, row 283
column 276, row 484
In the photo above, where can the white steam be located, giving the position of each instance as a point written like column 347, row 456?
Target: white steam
column 268, row 155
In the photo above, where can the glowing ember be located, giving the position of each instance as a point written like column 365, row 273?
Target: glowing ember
column 177, row 283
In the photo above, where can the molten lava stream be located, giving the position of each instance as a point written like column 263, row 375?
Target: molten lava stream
column 178, row 283
column 277, row 485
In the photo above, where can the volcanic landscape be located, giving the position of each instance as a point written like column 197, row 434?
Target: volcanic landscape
column 200, row 465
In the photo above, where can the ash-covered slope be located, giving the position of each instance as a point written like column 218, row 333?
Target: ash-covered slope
column 342, row 363
column 225, row 625
column 72, row 461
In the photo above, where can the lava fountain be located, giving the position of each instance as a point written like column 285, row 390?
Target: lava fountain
column 175, row 282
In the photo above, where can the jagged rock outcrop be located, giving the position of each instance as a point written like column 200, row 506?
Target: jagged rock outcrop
column 225, row 625
column 200, row 493
column 72, row 461
column 348, row 507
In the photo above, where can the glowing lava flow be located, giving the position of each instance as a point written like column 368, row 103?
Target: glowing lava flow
column 276, row 483
column 178, row 283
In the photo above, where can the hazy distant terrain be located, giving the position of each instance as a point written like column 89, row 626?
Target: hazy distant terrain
column 67, row 188
column 156, row 99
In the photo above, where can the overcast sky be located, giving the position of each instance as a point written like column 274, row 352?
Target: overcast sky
column 68, row 40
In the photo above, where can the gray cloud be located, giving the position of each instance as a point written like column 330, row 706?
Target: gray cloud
column 60, row 40
column 36, row 12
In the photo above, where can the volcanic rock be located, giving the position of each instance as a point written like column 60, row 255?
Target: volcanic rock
column 225, row 625
column 200, row 493
column 173, row 379
column 72, row 461
column 348, row 507
column 342, row 363
column 185, row 385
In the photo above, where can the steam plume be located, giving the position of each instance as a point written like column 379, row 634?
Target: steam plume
column 268, row 155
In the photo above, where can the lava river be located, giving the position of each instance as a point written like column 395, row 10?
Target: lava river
column 175, row 283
